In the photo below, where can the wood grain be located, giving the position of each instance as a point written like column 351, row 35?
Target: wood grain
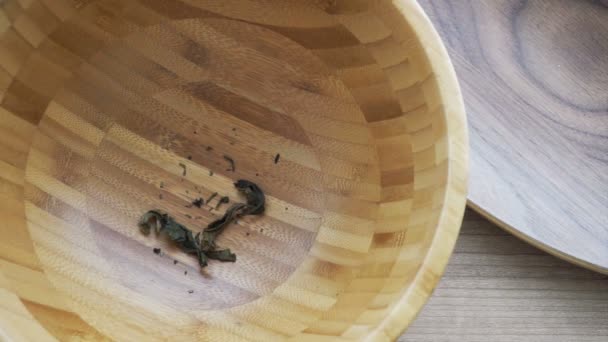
column 499, row 288
column 534, row 76
column 109, row 109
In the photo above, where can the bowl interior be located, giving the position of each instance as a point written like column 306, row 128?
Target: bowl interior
column 332, row 107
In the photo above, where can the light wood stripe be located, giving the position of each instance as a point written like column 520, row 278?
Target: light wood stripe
column 306, row 298
column 32, row 285
column 55, row 187
column 16, row 322
column 354, row 242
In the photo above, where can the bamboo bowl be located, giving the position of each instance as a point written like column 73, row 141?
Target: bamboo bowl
column 346, row 113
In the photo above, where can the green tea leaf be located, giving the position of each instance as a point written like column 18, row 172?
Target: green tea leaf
column 203, row 243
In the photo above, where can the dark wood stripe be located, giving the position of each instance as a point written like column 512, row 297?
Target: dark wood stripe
column 244, row 109
column 15, row 246
column 66, row 137
column 329, row 270
column 377, row 102
column 345, row 57
column 389, row 240
column 270, row 44
column 25, row 102
column 142, row 65
column 12, row 155
column 177, row 9
column 77, row 40
column 45, row 20
column 62, row 324
column 16, row 50
column 397, row 192
column 12, row 9
column 411, row 98
column 397, row 176
column 353, row 207
column 346, row 7
column 85, row 110
column 59, row 55
column 16, row 138
column 318, row 38
column 53, row 205
column 59, row 161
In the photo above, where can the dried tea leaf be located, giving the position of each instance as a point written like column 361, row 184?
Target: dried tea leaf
column 199, row 202
column 203, row 243
column 153, row 219
column 223, row 255
column 255, row 196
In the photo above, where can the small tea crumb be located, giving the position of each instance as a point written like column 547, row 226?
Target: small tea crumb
column 213, row 195
column 156, row 251
column 231, row 163
column 223, row 200
column 198, row 202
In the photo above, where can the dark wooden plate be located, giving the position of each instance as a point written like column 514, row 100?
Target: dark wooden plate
column 534, row 75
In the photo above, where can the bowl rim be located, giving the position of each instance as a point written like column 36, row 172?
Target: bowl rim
column 454, row 202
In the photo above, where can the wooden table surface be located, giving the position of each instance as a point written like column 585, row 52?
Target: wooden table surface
column 499, row 288
column 534, row 76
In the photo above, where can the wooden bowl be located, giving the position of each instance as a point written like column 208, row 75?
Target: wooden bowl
column 346, row 113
